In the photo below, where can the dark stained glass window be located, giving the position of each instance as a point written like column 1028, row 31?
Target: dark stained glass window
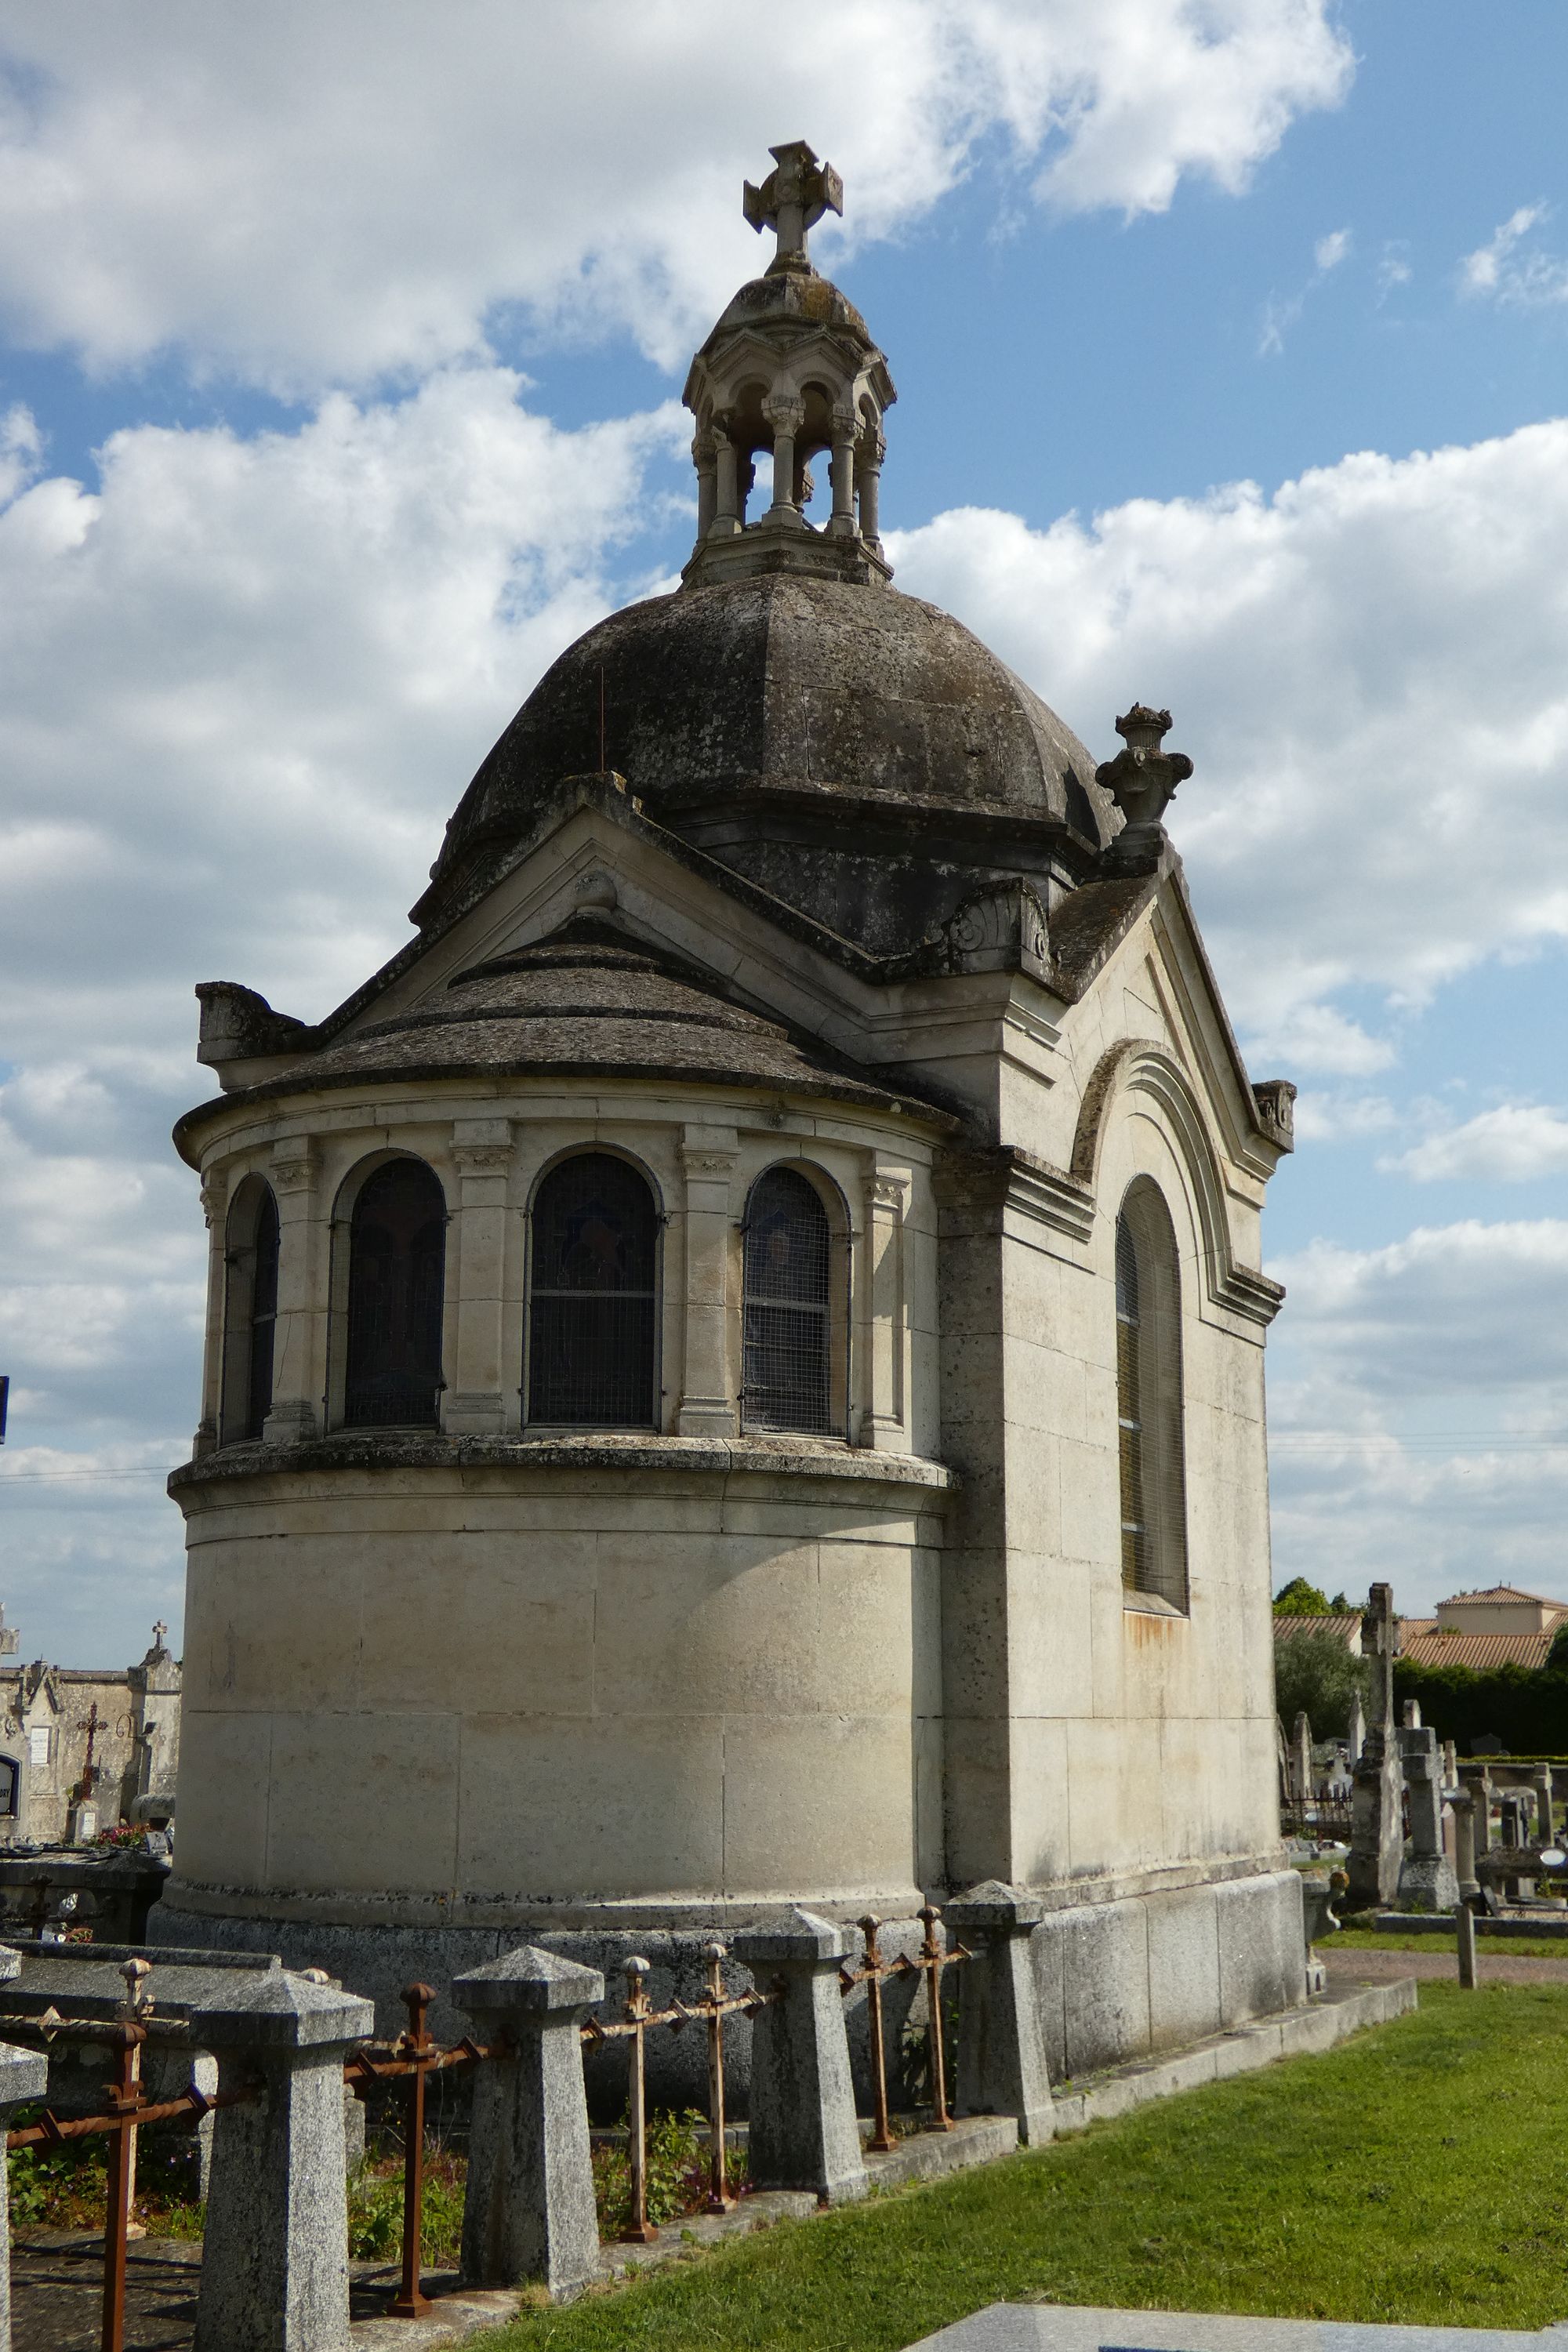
column 788, row 1319
column 250, row 1312
column 592, row 1296
column 397, row 1257
column 1130, row 1410
column 1149, row 1410
column 263, row 1318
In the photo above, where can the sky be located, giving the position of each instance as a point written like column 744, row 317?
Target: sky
column 339, row 391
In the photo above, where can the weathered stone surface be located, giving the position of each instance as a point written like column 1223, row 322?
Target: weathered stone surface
column 802, row 2131
column 1002, row 2063
column 528, row 2215
column 275, row 2254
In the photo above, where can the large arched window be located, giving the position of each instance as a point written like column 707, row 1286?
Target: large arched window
column 788, row 1345
column 1149, row 1399
column 592, row 1286
column 397, row 1258
column 250, row 1310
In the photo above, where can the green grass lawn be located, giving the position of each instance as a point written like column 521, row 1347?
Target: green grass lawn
column 1418, row 2173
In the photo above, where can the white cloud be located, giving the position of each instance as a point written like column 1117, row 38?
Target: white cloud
column 281, row 196
column 1279, row 314
column 1342, row 1118
column 1496, row 269
column 1514, row 1144
column 242, row 685
column 1393, row 268
column 1418, row 1402
column 1365, row 667
column 1319, row 1038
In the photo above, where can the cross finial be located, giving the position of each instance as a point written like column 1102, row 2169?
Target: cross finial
column 159, row 1630
column 793, row 199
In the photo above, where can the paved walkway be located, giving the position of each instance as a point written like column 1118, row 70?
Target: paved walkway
column 1498, row 1966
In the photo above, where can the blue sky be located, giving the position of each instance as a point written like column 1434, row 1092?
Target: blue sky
column 339, row 396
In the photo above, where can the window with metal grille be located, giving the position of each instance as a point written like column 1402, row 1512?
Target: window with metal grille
column 592, row 1295
column 788, row 1339
column 397, row 1264
column 1149, row 1399
column 250, row 1311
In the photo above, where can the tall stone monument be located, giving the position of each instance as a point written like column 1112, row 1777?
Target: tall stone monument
column 1377, row 1836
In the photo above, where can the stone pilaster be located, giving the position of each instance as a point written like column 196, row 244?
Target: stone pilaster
column 709, row 1381
column 298, row 1348
column 476, row 1396
column 887, row 1320
column 215, row 1208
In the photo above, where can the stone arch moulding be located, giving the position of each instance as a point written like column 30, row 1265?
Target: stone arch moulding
column 612, row 1150
column 1143, row 1067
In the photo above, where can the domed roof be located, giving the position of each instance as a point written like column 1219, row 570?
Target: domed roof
column 785, row 682
column 588, row 1000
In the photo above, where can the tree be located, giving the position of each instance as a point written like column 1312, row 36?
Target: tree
column 1300, row 1598
column 1557, row 1656
column 1315, row 1674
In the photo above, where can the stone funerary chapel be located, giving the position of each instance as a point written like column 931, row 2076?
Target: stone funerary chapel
column 735, row 1365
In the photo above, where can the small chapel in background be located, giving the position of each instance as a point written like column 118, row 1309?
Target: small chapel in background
column 734, row 1363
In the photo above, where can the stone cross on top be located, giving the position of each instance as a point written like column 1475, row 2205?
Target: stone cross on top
column 1380, row 1634
column 791, row 199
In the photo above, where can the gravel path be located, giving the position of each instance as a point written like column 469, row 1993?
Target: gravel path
column 1497, row 1967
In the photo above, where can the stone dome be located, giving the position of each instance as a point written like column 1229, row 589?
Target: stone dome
column 783, row 682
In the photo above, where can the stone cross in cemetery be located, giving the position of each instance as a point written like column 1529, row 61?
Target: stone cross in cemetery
column 1426, row 1877
column 1377, row 1834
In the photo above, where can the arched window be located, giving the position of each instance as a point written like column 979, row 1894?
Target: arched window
column 250, row 1310
column 788, row 1306
column 10, row 1786
column 591, row 1296
column 397, row 1261
column 1149, row 1399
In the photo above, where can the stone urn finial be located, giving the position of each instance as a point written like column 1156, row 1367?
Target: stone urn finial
column 1142, row 781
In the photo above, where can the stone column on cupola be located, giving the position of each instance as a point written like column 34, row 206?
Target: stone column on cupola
column 726, row 520
column 841, row 473
column 869, row 478
column 705, row 458
column 786, row 415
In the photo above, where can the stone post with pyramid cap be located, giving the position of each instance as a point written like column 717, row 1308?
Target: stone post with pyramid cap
column 1001, row 2065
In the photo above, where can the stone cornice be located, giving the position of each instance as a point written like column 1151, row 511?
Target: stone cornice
column 631, row 1456
column 983, row 1183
